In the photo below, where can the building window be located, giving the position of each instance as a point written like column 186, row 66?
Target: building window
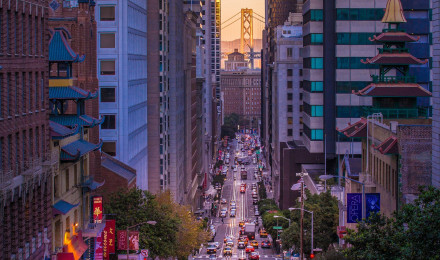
column 289, row 52
column 359, row 14
column 290, row 120
column 107, row 13
column 313, row 134
column 109, row 122
column 289, row 132
column 289, row 72
column 354, row 38
column 289, row 84
column 289, row 108
column 313, row 15
column 314, row 63
column 67, row 179
column 107, row 40
column 108, row 94
column 109, row 148
column 289, row 96
column 108, row 67
column 314, row 111
column 352, row 63
column 313, row 39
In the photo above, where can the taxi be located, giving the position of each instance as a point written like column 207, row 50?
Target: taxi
column 263, row 233
column 227, row 251
column 254, row 243
column 241, row 223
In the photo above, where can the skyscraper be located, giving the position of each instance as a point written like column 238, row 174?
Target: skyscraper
column 122, row 74
column 436, row 93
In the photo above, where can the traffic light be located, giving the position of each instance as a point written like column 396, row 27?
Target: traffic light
column 312, row 256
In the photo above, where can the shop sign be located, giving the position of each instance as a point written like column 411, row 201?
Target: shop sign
column 97, row 209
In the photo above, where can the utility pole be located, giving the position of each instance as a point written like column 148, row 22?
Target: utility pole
column 302, row 174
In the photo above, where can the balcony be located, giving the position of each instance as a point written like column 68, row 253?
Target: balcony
column 398, row 113
column 393, row 79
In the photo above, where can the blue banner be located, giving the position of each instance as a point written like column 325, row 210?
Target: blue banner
column 354, row 207
column 372, row 201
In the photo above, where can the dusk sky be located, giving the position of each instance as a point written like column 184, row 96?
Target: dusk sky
column 230, row 8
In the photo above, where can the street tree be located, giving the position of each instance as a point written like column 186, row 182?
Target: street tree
column 412, row 233
column 326, row 219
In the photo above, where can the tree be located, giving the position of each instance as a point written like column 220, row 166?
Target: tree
column 413, row 233
column 227, row 130
column 135, row 206
column 326, row 219
column 176, row 232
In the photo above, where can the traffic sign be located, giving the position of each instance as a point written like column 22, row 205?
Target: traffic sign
column 144, row 252
column 277, row 227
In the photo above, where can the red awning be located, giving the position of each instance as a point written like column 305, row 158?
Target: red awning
column 65, row 256
column 395, row 37
column 389, row 146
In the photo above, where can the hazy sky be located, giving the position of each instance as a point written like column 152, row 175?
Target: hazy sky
column 230, row 8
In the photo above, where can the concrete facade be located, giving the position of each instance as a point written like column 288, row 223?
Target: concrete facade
column 236, row 61
column 122, row 45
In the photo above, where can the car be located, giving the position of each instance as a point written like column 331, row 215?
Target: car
column 255, row 201
column 242, row 256
column 242, row 189
column 263, row 233
column 211, row 249
column 254, row 243
column 254, row 196
column 223, row 214
column 250, row 249
column 241, row 245
column 212, row 257
column 257, row 213
column 266, row 244
column 233, row 204
column 229, row 243
column 232, row 215
column 224, row 201
column 227, row 251
column 254, row 256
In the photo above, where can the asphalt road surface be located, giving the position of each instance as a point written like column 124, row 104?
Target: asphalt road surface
column 245, row 211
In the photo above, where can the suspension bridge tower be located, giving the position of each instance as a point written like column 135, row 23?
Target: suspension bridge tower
column 247, row 30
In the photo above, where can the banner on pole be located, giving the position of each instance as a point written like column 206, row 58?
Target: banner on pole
column 372, row 203
column 354, row 207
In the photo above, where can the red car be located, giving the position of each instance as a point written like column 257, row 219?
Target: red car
column 250, row 249
column 242, row 189
column 254, row 256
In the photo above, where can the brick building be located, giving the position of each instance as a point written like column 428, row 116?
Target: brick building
column 26, row 165
column 241, row 93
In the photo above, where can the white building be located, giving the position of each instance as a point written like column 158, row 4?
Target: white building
column 122, row 74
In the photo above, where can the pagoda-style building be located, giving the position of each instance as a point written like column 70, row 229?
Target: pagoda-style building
column 395, row 132
column 69, row 127
column 395, row 96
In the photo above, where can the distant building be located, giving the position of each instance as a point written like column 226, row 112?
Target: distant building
column 436, row 93
column 236, row 61
column 241, row 91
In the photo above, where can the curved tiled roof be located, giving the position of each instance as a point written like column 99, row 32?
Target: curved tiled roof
column 394, row 12
column 358, row 129
column 394, row 59
column 60, row 50
column 70, row 92
column 75, row 150
column 393, row 90
column 389, row 146
column 71, row 120
column 58, row 131
column 394, row 37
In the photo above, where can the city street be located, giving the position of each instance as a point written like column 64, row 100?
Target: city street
column 245, row 211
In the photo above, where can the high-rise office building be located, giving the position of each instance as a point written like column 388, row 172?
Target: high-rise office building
column 336, row 39
column 122, row 73
column 435, row 26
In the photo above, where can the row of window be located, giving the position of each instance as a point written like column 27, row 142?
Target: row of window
column 341, row 38
column 313, row 86
column 313, row 110
column 313, row 15
column 341, row 63
column 21, row 33
column 17, row 150
column 341, row 86
column 24, row 92
column 313, row 134
column 360, row 14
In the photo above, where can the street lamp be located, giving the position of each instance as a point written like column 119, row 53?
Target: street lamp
column 311, row 212
column 151, row 222
column 326, row 177
column 283, row 218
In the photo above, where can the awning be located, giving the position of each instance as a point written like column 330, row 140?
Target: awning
column 92, row 185
column 62, row 207
column 77, row 149
column 70, row 92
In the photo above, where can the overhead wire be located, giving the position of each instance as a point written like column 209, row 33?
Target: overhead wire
column 231, row 23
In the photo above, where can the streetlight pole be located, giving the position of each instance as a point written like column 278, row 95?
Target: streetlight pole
column 302, row 174
column 128, row 229
column 283, row 218
column 311, row 212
